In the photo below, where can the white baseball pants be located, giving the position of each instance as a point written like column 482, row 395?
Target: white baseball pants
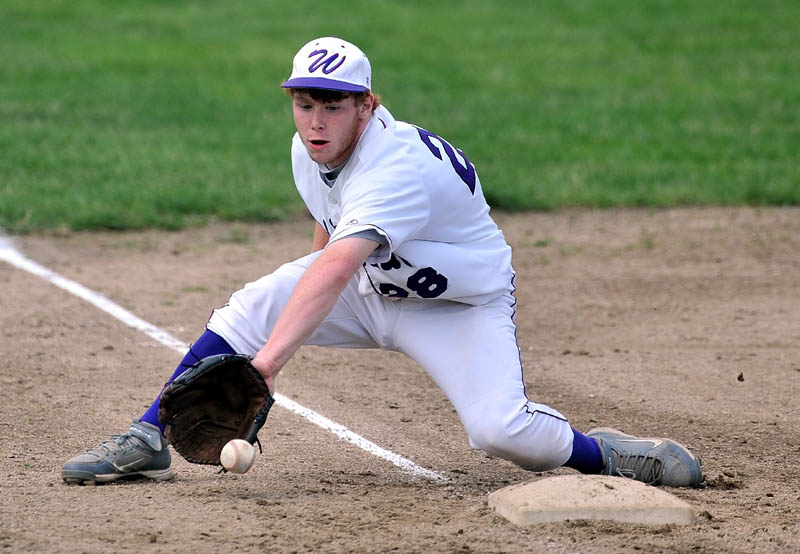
column 470, row 352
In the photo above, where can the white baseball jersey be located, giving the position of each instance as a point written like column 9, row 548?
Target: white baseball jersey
column 424, row 197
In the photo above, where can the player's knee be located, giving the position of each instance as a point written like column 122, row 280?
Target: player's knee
column 499, row 441
column 537, row 442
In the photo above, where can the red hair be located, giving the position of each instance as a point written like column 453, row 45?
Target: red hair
column 325, row 95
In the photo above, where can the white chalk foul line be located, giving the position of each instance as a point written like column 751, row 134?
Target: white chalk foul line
column 11, row 255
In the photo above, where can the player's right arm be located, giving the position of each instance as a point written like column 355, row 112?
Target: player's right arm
column 311, row 301
column 321, row 238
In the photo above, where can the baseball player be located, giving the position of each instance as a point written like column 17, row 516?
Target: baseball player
column 405, row 257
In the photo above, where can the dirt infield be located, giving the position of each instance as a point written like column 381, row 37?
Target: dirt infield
column 683, row 323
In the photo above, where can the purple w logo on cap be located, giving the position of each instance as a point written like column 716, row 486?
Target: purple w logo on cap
column 323, row 62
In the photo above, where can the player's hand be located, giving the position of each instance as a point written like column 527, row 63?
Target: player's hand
column 268, row 370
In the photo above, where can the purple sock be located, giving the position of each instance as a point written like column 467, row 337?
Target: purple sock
column 208, row 344
column 586, row 454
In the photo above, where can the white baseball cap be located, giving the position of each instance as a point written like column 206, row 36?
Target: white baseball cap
column 330, row 63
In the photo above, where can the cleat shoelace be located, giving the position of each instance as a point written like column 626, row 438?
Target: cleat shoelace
column 111, row 444
column 640, row 467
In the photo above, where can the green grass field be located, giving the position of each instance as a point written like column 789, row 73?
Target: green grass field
column 168, row 113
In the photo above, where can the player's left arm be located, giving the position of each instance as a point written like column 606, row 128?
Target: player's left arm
column 313, row 298
column 321, row 238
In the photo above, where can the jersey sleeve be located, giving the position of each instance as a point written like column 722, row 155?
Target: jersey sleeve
column 391, row 200
column 367, row 233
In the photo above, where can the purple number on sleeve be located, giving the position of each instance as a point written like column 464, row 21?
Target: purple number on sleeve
column 466, row 172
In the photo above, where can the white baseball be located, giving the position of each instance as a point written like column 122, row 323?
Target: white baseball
column 237, row 456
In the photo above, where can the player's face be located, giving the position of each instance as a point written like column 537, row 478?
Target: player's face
column 330, row 130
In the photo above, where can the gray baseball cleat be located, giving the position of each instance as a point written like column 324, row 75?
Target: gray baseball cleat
column 652, row 461
column 139, row 452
